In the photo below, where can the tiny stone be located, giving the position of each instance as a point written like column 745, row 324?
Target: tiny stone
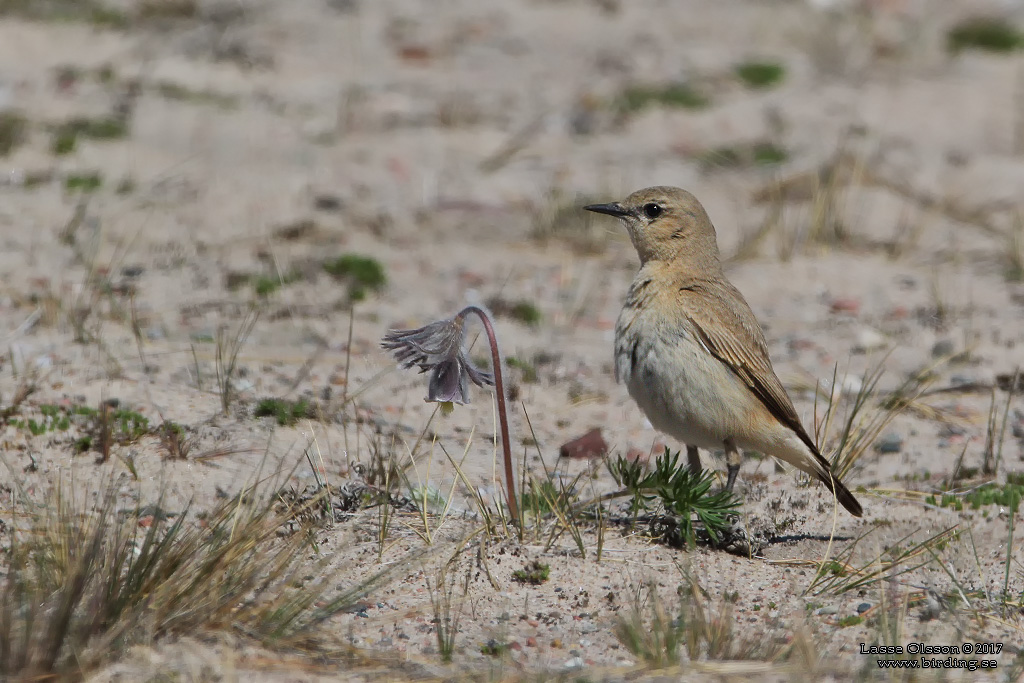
column 943, row 347
column 890, row 443
column 828, row 609
column 847, row 305
column 863, row 607
column 574, row 663
column 869, row 339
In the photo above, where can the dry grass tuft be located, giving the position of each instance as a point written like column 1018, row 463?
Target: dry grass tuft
column 83, row 583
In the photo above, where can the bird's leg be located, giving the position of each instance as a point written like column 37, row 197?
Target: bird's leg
column 694, row 458
column 732, row 460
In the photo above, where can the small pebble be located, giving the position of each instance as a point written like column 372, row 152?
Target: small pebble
column 590, row 445
column 863, row 607
column 890, row 443
column 574, row 663
column 869, row 339
column 848, row 305
column 942, row 348
column 828, row 609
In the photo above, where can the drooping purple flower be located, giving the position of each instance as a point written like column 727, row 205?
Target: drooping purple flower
column 438, row 347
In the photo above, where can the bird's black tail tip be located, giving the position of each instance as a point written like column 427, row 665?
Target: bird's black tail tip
column 846, row 499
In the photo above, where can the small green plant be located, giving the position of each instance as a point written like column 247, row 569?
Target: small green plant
column 53, row 419
column 850, row 620
column 13, row 131
column 361, row 273
column 742, row 156
column 287, row 413
column 265, row 285
column 1007, row 495
column 447, row 616
column 768, row 154
column 83, row 182
column 181, row 93
column 682, row 494
column 760, row 74
column 174, row 440
column 635, row 98
column 94, row 12
column 494, row 648
column 990, row 34
column 523, row 311
column 528, row 369
column 164, row 10
column 64, row 142
column 65, row 135
column 226, row 359
column 534, row 573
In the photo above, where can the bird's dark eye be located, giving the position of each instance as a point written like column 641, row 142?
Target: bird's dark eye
column 652, row 210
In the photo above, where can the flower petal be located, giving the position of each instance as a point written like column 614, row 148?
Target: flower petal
column 448, row 384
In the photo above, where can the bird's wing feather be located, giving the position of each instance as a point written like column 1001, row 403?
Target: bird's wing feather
column 737, row 341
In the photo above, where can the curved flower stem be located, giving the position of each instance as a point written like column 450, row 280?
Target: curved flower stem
column 499, row 387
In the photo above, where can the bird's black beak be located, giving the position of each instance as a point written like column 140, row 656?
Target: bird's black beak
column 613, row 209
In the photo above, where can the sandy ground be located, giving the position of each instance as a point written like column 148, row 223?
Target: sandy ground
column 442, row 138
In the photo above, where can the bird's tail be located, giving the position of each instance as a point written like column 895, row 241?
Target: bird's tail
column 817, row 466
column 842, row 493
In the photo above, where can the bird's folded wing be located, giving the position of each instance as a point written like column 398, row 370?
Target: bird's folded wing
column 740, row 345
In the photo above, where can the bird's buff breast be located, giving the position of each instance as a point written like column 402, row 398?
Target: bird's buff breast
column 682, row 389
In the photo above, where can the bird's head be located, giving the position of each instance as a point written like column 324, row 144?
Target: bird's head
column 666, row 224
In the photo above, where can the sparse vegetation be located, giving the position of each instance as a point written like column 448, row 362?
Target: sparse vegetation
column 991, row 34
column 743, row 156
column 13, row 131
column 287, row 413
column 94, row 12
column 79, row 577
column 66, row 135
column 674, row 95
column 1006, row 495
column 181, row 93
column 528, row 369
column 523, row 311
column 163, row 10
column 228, row 348
column 699, row 630
column 534, row 573
column 83, row 182
column 361, row 273
column 558, row 217
column 760, row 74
